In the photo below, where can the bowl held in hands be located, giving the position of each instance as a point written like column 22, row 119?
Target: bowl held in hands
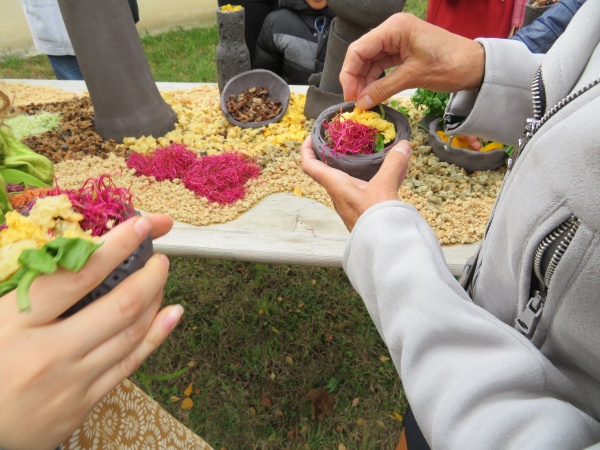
column 360, row 166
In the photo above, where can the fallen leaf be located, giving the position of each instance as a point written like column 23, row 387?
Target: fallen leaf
column 188, row 390
column 272, row 376
column 197, row 391
column 289, row 360
column 174, row 398
column 338, row 428
column 329, row 336
column 278, row 412
column 321, row 404
column 192, row 363
column 355, row 402
column 361, row 422
column 293, row 433
column 398, row 417
column 266, row 402
column 187, row 403
column 380, row 424
column 274, row 330
column 384, row 358
column 252, row 411
column 298, row 191
column 341, row 447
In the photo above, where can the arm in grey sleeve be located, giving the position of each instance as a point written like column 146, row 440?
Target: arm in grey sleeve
column 498, row 110
column 472, row 381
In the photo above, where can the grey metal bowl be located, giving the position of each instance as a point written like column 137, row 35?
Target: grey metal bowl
column 278, row 90
column 469, row 160
column 363, row 167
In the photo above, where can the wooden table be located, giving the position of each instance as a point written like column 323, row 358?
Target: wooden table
column 281, row 229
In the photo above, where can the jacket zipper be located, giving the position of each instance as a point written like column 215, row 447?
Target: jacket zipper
column 532, row 125
column 547, row 257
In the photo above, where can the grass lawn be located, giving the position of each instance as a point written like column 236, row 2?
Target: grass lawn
column 257, row 341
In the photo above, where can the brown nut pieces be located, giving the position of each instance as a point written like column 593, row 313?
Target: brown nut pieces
column 253, row 105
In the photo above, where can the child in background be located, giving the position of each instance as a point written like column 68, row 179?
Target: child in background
column 293, row 40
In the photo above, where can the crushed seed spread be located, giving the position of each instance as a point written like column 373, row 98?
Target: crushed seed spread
column 456, row 205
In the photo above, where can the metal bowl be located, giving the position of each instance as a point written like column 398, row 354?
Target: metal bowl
column 278, row 90
column 363, row 167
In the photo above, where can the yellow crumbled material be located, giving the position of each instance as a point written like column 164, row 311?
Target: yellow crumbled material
column 230, row 8
column 49, row 218
column 373, row 120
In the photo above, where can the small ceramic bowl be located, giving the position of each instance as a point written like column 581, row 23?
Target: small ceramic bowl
column 469, row 160
column 278, row 90
column 363, row 167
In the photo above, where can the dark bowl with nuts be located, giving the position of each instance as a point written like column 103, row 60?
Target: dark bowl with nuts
column 255, row 98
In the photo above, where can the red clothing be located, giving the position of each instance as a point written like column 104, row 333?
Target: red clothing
column 472, row 18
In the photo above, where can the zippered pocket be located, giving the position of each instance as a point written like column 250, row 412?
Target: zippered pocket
column 551, row 265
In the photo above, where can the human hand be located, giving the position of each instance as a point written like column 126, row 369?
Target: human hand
column 53, row 370
column 423, row 55
column 351, row 197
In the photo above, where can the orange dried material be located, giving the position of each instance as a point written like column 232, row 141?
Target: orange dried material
column 22, row 200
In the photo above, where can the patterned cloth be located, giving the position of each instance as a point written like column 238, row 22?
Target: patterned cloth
column 127, row 419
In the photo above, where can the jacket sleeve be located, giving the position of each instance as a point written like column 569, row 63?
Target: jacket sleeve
column 498, row 110
column 268, row 56
column 539, row 35
column 472, row 381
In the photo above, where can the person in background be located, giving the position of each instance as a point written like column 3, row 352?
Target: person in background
column 539, row 35
column 50, row 36
column 255, row 13
column 293, row 40
column 473, row 18
column 510, row 357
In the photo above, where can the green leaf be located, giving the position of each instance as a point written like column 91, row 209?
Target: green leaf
column 70, row 253
column 379, row 143
column 433, row 102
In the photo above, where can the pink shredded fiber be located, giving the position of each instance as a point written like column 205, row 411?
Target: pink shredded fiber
column 219, row 178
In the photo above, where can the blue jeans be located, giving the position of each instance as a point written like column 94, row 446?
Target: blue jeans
column 65, row 67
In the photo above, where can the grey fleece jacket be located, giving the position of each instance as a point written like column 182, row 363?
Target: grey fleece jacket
column 474, row 381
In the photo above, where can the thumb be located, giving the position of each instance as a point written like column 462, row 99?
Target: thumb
column 393, row 170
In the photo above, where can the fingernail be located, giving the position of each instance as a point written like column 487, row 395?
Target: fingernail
column 403, row 147
column 142, row 227
column 173, row 317
column 165, row 260
column 365, row 102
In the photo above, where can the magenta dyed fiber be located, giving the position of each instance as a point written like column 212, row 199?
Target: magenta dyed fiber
column 218, row 178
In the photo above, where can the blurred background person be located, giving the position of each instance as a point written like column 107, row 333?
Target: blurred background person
column 50, row 36
column 293, row 40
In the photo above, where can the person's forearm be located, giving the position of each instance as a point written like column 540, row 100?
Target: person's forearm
column 472, row 381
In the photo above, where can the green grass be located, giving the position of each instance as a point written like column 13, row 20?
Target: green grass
column 256, row 338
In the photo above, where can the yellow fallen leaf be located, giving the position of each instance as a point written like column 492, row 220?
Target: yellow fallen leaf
column 289, row 360
column 384, row 358
column 398, row 417
column 361, row 422
column 298, row 191
column 380, row 424
column 174, row 398
column 192, row 363
column 188, row 390
column 341, row 447
column 252, row 411
column 274, row 330
column 187, row 403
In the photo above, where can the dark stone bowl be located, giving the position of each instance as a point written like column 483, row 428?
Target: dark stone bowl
column 278, row 90
column 470, row 160
column 132, row 263
column 363, row 167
